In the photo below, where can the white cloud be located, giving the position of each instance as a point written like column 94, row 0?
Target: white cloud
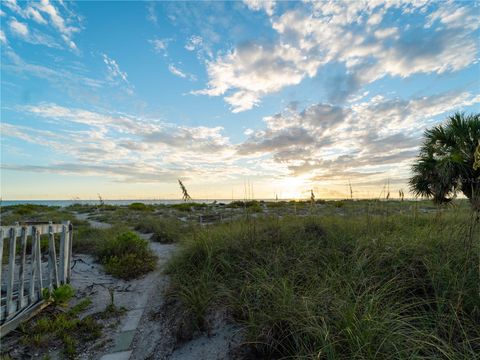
column 254, row 71
column 386, row 32
column 58, row 22
column 34, row 37
column 180, row 73
column 175, row 71
column 13, row 6
column 160, row 45
column 18, row 28
column 266, row 5
column 151, row 13
column 372, row 138
column 117, row 142
column 194, row 43
column 35, row 15
column 114, row 70
column 3, row 38
column 307, row 40
column 368, row 141
column 34, row 11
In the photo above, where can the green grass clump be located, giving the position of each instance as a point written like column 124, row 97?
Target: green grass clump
column 164, row 230
column 251, row 205
column 138, row 206
column 402, row 286
column 60, row 296
column 66, row 328
column 126, row 255
column 188, row 206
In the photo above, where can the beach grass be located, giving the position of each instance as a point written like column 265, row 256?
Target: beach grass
column 374, row 280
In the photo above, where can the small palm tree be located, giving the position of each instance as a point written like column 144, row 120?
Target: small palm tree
column 446, row 163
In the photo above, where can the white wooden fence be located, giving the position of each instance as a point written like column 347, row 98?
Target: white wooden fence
column 28, row 273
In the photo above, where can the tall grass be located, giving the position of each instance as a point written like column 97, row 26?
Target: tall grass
column 364, row 286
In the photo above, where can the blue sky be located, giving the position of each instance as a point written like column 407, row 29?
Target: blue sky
column 123, row 98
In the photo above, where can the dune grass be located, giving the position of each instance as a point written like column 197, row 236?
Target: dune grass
column 374, row 284
column 164, row 230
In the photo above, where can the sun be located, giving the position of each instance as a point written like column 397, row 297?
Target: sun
column 292, row 188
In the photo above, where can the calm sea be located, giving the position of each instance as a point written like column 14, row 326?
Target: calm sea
column 109, row 202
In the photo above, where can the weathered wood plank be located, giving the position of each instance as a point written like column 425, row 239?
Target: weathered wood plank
column 11, row 270
column 24, row 315
column 33, row 270
column 63, row 253
column 39, row 265
column 21, row 273
column 52, row 261
column 41, row 228
column 70, row 253
column 1, row 266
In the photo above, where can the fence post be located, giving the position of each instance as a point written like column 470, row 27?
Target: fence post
column 62, row 262
column 52, row 259
column 33, row 265
column 70, row 254
column 39, row 264
column 21, row 273
column 1, row 266
column 11, row 269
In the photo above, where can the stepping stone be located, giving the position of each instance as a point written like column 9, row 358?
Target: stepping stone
column 124, row 355
column 131, row 320
column 123, row 341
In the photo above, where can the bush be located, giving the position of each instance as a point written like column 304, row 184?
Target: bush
column 138, row 206
column 164, row 230
column 126, row 255
column 251, row 205
column 129, row 266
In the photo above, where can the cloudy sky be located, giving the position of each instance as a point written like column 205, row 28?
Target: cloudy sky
column 123, row 98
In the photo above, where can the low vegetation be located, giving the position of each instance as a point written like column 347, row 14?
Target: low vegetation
column 55, row 327
column 375, row 284
column 126, row 255
column 163, row 230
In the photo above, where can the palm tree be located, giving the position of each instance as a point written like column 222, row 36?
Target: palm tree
column 476, row 165
column 446, row 163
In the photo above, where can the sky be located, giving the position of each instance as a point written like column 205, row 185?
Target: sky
column 252, row 99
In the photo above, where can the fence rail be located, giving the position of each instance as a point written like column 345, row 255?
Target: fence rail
column 28, row 272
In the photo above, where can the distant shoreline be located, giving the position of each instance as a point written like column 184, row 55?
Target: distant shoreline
column 64, row 203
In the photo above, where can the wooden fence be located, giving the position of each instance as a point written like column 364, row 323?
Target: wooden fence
column 28, row 272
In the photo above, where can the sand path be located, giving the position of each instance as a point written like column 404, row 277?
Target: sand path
column 147, row 330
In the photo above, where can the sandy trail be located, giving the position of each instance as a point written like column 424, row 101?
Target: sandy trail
column 149, row 329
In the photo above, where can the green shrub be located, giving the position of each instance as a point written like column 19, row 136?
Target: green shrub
column 138, row 206
column 126, row 255
column 189, row 206
column 129, row 266
column 251, row 205
column 339, row 204
column 163, row 230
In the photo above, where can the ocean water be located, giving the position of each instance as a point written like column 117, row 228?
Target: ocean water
column 63, row 203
